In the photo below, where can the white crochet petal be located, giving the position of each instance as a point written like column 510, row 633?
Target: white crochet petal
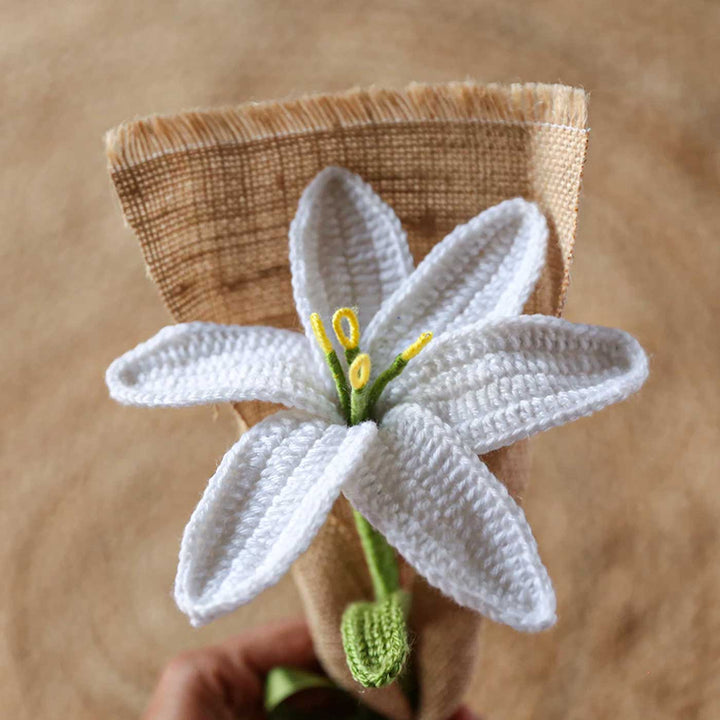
column 498, row 382
column 452, row 520
column 485, row 268
column 262, row 508
column 197, row 363
column 347, row 248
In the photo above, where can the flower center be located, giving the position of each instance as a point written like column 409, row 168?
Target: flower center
column 358, row 396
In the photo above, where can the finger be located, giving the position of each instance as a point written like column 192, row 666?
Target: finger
column 227, row 680
column 287, row 643
column 250, row 656
column 205, row 685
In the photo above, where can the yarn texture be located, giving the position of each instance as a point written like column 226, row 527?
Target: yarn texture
column 488, row 378
column 376, row 652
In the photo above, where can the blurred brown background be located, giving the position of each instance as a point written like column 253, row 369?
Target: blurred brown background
column 625, row 505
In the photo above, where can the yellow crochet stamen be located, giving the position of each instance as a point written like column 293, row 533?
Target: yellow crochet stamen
column 348, row 342
column 320, row 335
column 333, row 363
column 398, row 365
column 410, row 352
column 358, row 401
column 359, row 372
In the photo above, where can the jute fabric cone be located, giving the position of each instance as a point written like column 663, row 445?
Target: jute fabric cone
column 211, row 194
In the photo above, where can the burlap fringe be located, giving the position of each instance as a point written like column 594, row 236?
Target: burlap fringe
column 520, row 104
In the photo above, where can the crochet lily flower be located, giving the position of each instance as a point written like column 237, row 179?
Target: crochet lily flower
column 402, row 438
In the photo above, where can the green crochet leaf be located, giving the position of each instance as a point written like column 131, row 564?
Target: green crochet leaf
column 375, row 639
column 284, row 682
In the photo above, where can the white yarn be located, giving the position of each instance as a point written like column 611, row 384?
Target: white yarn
column 448, row 516
column 269, row 497
column 347, row 249
column 483, row 269
column 500, row 381
column 200, row 363
column 485, row 381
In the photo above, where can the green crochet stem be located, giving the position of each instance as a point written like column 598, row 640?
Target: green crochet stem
column 351, row 354
column 380, row 557
column 341, row 383
column 397, row 366
column 358, row 406
column 374, row 634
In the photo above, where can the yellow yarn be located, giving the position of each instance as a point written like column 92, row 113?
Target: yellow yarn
column 346, row 313
column 320, row 335
column 360, row 371
column 410, row 352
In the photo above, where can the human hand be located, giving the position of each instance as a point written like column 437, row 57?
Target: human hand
column 226, row 681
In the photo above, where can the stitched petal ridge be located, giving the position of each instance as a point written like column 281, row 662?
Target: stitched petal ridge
column 504, row 380
column 485, row 268
column 347, row 248
column 452, row 520
column 262, row 508
column 199, row 363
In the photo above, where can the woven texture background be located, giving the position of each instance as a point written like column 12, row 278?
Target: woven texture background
column 95, row 496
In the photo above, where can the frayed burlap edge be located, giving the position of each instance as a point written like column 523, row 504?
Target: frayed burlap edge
column 519, row 103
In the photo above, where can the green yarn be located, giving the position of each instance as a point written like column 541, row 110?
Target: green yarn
column 358, row 406
column 381, row 558
column 374, row 634
column 351, row 354
column 375, row 639
column 284, row 682
column 341, row 383
column 396, row 367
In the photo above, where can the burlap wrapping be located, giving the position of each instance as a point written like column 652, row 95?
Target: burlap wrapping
column 211, row 195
